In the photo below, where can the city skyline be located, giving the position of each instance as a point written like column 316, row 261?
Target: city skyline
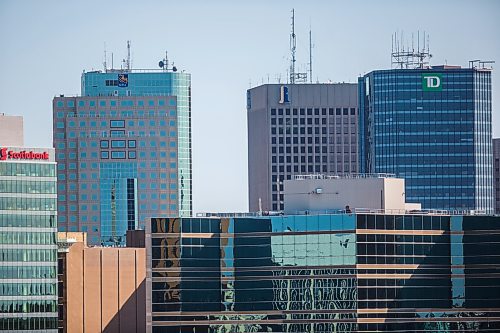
column 48, row 46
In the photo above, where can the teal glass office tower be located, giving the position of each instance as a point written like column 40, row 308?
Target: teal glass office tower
column 431, row 126
column 124, row 151
column 28, row 249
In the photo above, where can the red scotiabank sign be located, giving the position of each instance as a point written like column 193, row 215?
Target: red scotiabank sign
column 6, row 154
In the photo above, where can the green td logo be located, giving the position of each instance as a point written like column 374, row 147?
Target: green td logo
column 431, row 82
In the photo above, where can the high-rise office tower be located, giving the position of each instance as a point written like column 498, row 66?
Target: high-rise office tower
column 298, row 129
column 124, row 151
column 496, row 173
column 28, row 249
column 431, row 126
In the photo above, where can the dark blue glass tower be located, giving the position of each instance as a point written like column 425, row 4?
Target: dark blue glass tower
column 432, row 127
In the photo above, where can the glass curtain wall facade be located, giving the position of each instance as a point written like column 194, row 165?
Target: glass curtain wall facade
column 496, row 173
column 433, row 128
column 124, row 152
column 325, row 273
column 155, row 83
column 28, row 250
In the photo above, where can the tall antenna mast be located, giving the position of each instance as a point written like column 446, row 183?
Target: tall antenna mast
column 310, row 56
column 293, row 46
column 105, row 59
column 128, row 56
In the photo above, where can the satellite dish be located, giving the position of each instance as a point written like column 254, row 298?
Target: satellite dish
column 161, row 64
column 174, row 69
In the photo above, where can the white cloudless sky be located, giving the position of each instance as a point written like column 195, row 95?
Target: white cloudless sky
column 227, row 46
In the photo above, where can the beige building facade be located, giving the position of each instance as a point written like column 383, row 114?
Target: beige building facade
column 315, row 193
column 101, row 289
column 11, row 130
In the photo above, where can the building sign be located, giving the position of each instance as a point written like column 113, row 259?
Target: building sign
column 6, row 154
column 122, row 80
column 431, row 82
column 284, row 95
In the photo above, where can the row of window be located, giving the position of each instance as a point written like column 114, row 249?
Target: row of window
column 317, row 159
column 142, row 154
column 27, row 186
column 113, row 123
column 114, row 143
column 119, row 143
column 84, row 218
column 71, row 103
column 27, row 169
column 115, row 134
column 94, row 175
column 316, row 112
column 334, row 142
column 313, row 130
column 317, row 149
column 346, row 168
column 28, row 323
column 93, row 186
column 37, row 204
column 282, row 224
column 25, row 306
column 27, row 289
column 114, row 114
column 41, row 238
column 27, row 255
column 395, row 222
column 29, row 221
column 28, row 272
column 118, row 154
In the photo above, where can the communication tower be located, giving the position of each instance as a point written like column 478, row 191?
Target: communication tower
column 295, row 77
column 408, row 57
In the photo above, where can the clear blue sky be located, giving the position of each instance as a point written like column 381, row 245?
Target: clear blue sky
column 226, row 46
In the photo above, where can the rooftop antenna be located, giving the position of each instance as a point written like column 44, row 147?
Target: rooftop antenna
column 293, row 46
column 410, row 58
column 105, row 58
column 295, row 77
column 127, row 64
column 164, row 63
column 112, row 65
column 310, row 55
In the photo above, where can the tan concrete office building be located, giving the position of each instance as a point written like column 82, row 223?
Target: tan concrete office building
column 101, row 289
column 296, row 129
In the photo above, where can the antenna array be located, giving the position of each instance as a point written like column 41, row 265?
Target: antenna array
column 408, row 57
column 295, row 77
column 310, row 57
column 127, row 64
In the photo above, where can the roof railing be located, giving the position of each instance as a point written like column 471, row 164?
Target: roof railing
column 344, row 176
column 441, row 212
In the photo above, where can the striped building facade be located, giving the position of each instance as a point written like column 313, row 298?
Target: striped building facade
column 359, row 272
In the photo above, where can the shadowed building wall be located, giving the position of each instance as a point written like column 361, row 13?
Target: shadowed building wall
column 496, row 173
column 103, row 289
